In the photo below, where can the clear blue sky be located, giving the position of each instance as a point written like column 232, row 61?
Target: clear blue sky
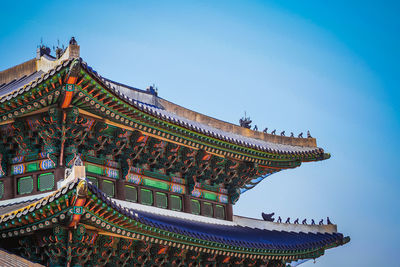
column 332, row 68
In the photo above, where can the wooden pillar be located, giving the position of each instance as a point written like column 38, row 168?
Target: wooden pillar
column 229, row 212
column 59, row 174
column 100, row 181
column 120, row 189
column 15, row 186
column 9, row 191
column 35, row 183
column 139, row 194
column 187, row 207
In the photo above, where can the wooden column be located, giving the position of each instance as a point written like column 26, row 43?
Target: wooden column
column 100, row 181
column 9, row 190
column 139, row 194
column 59, row 175
column 187, row 207
column 229, row 212
column 120, row 189
column 15, row 186
column 35, row 183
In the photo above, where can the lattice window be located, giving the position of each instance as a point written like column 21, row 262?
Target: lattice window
column 219, row 212
column 175, row 202
column 161, row 200
column 208, row 209
column 1, row 190
column 195, row 206
column 25, row 185
column 46, row 181
column 93, row 180
column 108, row 188
column 131, row 193
column 146, row 196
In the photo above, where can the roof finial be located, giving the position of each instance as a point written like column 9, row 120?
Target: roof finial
column 245, row 121
column 152, row 89
column 73, row 41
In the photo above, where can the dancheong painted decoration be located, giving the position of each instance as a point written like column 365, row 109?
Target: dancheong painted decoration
column 97, row 173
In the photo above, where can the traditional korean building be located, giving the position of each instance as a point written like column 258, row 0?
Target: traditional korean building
column 98, row 173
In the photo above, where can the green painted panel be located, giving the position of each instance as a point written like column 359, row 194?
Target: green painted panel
column 195, row 206
column 156, row 184
column 25, row 185
column 131, row 193
column 146, row 196
column 94, row 169
column 161, row 200
column 31, row 167
column 156, row 175
column 31, row 157
column 210, row 196
column 208, row 209
column 108, row 188
column 209, row 187
column 175, row 202
column 46, row 181
column 94, row 160
column 219, row 212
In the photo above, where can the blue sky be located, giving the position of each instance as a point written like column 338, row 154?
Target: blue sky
column 331, row 68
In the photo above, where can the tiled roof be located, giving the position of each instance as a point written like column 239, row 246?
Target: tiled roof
column 149, row 103
column 9, row 205
column 18, row 83
column 229, row 234
column 237, row 235
column 15, row 206
column 24, row 84
column 8, row 259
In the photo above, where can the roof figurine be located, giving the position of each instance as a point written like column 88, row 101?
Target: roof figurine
column 94, row 172
column 268, row 216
